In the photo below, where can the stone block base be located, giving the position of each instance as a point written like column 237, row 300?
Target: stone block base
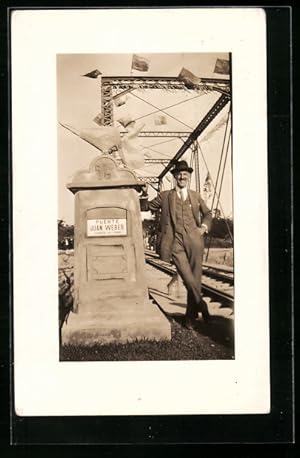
column 118, row 324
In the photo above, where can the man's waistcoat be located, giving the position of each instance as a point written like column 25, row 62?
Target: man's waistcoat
column 166, row 202
column 185, row 220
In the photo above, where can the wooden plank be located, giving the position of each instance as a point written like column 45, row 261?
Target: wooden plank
column 168, row 304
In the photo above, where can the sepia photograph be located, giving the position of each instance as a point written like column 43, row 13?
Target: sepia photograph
column 145, row 214
column 140, row 212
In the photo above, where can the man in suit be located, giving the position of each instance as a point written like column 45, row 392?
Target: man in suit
column 184, row 220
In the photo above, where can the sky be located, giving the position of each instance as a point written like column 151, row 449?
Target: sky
column 79, row 101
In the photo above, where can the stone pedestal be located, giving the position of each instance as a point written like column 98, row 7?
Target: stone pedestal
column 111, row 296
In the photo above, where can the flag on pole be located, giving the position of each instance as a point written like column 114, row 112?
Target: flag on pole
column 120, row 94
column 217, row 127
column 160, row 120
column 121, row 98
column 207, row 187
column 93, row 74
column 139, row 63
column 98, row 119
column 125, row 120
column 189, row 79
column 119, row 101
column 222, row 67
column 207, row 190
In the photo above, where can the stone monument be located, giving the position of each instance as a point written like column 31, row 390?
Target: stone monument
column 111, row 301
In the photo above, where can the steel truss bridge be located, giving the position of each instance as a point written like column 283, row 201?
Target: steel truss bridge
column 129, row 83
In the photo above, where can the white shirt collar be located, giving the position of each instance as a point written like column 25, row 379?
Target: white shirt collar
column 181, row 190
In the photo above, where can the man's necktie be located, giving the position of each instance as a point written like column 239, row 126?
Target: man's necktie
column 182, row 196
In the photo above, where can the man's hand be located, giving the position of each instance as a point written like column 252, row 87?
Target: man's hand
column 202, row 230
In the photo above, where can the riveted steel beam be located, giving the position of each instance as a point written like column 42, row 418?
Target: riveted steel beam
column 211, row 114
column 159, row 134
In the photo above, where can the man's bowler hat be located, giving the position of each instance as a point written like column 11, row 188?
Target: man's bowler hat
column 181, row 166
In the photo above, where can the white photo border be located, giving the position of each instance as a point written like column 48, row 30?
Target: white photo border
column 44, row 386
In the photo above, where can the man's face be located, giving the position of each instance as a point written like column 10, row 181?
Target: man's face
column 182, row 179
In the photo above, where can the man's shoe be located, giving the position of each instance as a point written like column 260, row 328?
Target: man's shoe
column 206, row 316
column 205, row 313
column 202, row 308
column 188, row 323
column 194, row 314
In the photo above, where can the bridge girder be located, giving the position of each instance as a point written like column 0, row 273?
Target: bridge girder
column 128, row 83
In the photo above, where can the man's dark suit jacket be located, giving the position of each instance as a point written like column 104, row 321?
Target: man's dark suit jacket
column 166, row 201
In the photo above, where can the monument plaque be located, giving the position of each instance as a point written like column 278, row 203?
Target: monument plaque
column 106, row 227
column 111, row 301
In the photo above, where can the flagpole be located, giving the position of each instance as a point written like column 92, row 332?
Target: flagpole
column 131, row 69
column 196, row 165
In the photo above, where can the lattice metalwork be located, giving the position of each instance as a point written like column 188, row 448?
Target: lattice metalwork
column 158, row 82
column 127, row 83
column 161, row 134
column 195, row 150
column 212, row 113
column 157, row 161
column 148, row 179
column 106, row 104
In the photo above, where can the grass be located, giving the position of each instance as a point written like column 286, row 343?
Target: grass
column 214, row 342
column 222, row 256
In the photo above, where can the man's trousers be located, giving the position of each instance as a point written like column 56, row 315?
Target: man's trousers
column 187, row 254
